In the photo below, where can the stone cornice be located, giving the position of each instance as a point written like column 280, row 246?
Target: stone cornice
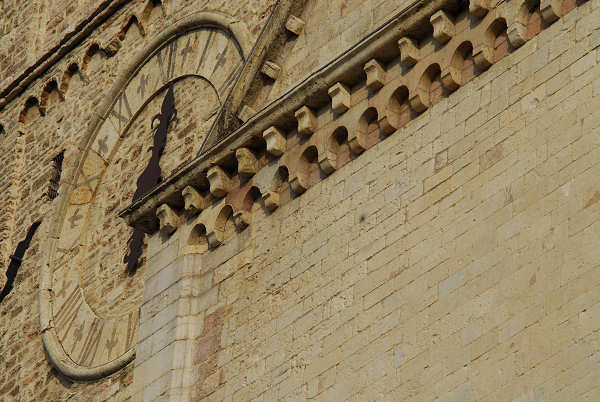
column 428, row 39
column 281, row 111
column 69, row 41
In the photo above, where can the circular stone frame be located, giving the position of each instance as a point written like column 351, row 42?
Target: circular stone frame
column 56, row 355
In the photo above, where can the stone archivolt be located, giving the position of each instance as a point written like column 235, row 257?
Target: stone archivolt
column 300, row 147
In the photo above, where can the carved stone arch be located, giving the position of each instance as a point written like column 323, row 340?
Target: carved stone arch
column 243, row 205
column 520, row 30
column 72, row 68
column 335, row 150
column 28, row 111
column 279, row 189
column 495, row 44
column 398, row 111
column 93, row 50
column 282, row 175
column 50, row 87
column 197, row 241
column 55, row 352
column 221, row 228
column 358, row 138
column 131, row 20
column 252, row 195
column 461, row 67
column 307, row 170
column 426, row 94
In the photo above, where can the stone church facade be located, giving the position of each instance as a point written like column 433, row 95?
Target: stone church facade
column 300, row 200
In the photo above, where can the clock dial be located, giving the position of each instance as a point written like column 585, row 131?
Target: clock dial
column 167, row 107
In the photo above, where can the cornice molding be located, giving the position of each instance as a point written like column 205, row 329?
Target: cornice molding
column 351, row 92
column 347, row 67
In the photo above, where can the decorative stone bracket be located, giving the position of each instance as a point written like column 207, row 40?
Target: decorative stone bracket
column 340, row 98
column 169, row 219
column 307, row 122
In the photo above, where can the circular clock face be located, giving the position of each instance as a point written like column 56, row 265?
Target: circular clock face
column 156, row 124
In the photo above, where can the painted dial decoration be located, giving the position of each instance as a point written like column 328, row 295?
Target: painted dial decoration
column 156, row 124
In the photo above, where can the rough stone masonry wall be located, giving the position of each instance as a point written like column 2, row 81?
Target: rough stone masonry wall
column 456, row 259
column 36, row 126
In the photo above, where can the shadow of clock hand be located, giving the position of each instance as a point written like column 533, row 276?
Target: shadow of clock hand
column 151, row 176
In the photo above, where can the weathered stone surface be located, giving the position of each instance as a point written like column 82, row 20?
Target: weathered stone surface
column 307, row 121
column 461, row 239
column 375, row 75
column 340, row 98
column 443, row 27
column 276, row 141
column 271, row 70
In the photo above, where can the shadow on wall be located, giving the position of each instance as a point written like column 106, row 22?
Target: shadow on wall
column 16, row 259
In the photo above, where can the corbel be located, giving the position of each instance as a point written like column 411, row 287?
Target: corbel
column 220, row 183
column 357, row 142
column 169, row 220
column 385, row 123
column 340, row 98
column 409, row 52
column 194, row 201
column 443, row 27
column 295, row 25
column 247, row 162
column 271, row 70
column 375, row 75
column 271, row 200
column 298, row 184
column 418, row 101
column 517, row 34
column 307, row 122
column 214, row 238
column 451, row 78
column 479, row 8
column 551, row 10
column 276, row 141
column 483, row 56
